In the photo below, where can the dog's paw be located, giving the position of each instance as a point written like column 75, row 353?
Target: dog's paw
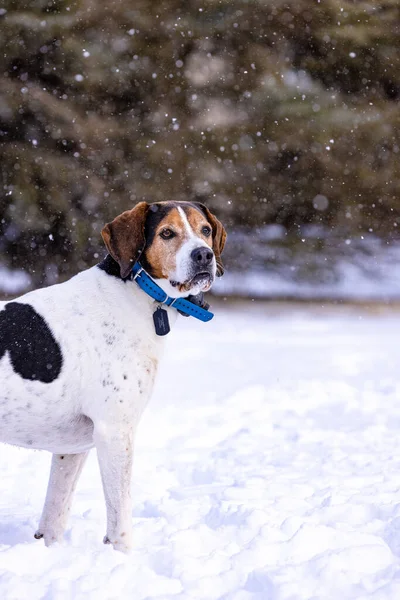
column 121, row 544
column 49, row 536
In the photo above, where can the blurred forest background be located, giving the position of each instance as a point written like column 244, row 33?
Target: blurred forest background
column 282, row 116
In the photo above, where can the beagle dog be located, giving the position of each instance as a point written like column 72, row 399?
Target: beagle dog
column 78, row 359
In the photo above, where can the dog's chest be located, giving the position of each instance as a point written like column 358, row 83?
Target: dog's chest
column 116, row 350
column 124, row 357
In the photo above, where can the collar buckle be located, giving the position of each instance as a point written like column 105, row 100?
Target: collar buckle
column 138, row 273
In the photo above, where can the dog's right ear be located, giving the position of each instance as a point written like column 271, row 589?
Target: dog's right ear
column 124, row 237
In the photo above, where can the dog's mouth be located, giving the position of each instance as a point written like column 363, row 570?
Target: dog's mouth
column 202, row 280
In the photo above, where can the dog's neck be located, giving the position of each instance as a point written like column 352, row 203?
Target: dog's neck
column 111, row 270
column 124, row 292
column 190, row 306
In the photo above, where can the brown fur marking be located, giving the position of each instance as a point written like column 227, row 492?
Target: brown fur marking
column 124, row 237
column 197, row 221
column 162, row 253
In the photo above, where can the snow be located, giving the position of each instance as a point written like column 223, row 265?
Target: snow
column 13, row 282
column 352, row 284
column 267, row 467
column 346, row 268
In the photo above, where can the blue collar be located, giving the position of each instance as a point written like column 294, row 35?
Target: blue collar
column 146, row 283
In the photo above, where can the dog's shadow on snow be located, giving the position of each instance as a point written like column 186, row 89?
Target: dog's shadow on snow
column 15, row 532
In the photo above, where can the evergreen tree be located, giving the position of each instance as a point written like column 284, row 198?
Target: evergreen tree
column 269, row 111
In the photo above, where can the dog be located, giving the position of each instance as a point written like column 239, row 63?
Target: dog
column 78, row 359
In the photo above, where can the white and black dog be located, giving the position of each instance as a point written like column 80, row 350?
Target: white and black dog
column 78, row 359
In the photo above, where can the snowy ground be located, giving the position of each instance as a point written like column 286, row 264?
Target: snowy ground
column 313, row 263
column 267, row 468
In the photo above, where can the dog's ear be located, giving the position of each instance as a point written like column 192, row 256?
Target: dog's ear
column 219, row 237
column 124, row 237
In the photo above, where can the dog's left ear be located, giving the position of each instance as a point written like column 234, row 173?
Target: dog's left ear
column 219, row 237
column 124, row 237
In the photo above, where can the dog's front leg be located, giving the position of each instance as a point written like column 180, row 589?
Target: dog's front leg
column 114, row 450
column 64, row 474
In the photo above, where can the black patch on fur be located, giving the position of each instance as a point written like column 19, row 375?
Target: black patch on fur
column 110, row 266
column 194, row 205
column 33, row 351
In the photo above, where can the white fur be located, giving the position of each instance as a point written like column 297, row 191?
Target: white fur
column 110, row 354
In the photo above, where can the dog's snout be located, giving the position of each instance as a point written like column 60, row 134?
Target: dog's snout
column 202, row 256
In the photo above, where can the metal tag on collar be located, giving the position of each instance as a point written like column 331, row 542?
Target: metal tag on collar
column 161, row 321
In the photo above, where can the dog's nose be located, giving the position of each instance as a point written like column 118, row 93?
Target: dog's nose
column 202, row 256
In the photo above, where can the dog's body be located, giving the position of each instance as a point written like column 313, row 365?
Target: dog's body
column 78, row 361
column 110, row 352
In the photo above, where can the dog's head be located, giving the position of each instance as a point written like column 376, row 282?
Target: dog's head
column 178, row 243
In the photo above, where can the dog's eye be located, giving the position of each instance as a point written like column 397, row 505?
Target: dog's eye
column 167, row 234
column 206, row 230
